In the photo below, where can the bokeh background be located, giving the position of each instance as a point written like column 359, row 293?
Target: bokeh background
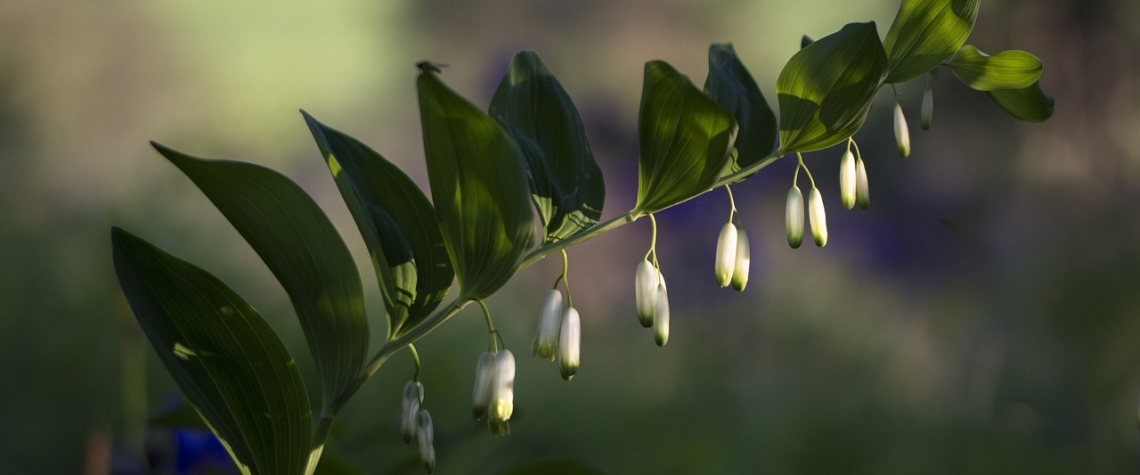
column 983, row 316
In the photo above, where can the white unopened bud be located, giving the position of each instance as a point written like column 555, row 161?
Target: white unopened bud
column 570, row 343
column 424, row 434
column 847, row 179
column 725, row 254
column 862, row 192
column 645, row 292
column 902, row 135
column 661, row 315
column 549, row 320
column 927, row 108
column 413, row 397
column 503, row 386
column 484, row 373
column 743, row 261
column 794, row 217
column 818, row 217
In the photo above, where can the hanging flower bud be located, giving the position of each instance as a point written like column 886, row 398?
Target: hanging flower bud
column 927, row 107
column 546, row 343
column 743, row 260
column 570, row 343
column 725, row 254
column 484, row 373
column 818, row 217
column 862, row 193
column 502, row 391
column 902, row 135
column 645, row 292
column 424, row 434
column 413, row 397
column 661, row 315
column 847, row 179
column 794, row 218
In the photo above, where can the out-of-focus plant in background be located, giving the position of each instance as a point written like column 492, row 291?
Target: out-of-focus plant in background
column 980, row 317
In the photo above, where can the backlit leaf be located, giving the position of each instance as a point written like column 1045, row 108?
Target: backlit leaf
column 303, row 250
column 926, row 32
column 731, row 85
column 228, row 362
column 479, row 187
column 1006, row 70
column 565, row 183
column 1030, row 104
column 685, row 139
column 826, row 89
column 398, row 225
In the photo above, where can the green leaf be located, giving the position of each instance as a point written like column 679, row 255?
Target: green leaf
column 1030, row 104
column 1006, row 70
column 730, row 85
column 479, row 187
column 554, row 467
column 305, row 253
column 228, row 362
column 805, row 41
column 685, row 139
column 398, row 225
column 826, row 89
column 565, row 183
column 926, row 32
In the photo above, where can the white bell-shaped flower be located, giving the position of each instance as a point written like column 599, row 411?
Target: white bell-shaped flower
column 484, row 373
column 725, row 254
column 549, row 321
column 862, row 192
column 661, row 314
column 502, row 392
column 743, row 261
column 902, row 135
column 413, row 398
column 847, row 179
column 570, row 343
column 794, row 217
column 425, row 433
column 645, row 292
column 818, row 217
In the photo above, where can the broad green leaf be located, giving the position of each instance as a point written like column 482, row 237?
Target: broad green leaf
column 305, row 253
column 730, row 85
column 398, row 225
column 479, row 187
column 565, row 183
column 805, row 41
column 228, row 362
column 926, row 32
column 1030, row 104
column 1006, row 70
column 553, row 467
column 685, row 138
column 826, row 89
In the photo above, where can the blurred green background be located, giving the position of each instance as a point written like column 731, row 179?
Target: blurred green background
column 982, row 317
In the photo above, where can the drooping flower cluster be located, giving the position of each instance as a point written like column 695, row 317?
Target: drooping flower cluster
column 415, row 423
column 494, row 390
column 733, row 257
column 652, row 299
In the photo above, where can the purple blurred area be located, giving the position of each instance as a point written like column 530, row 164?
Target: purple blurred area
column 983, row 316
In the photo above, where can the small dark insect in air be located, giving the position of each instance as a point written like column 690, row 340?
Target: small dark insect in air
column 426, row 66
